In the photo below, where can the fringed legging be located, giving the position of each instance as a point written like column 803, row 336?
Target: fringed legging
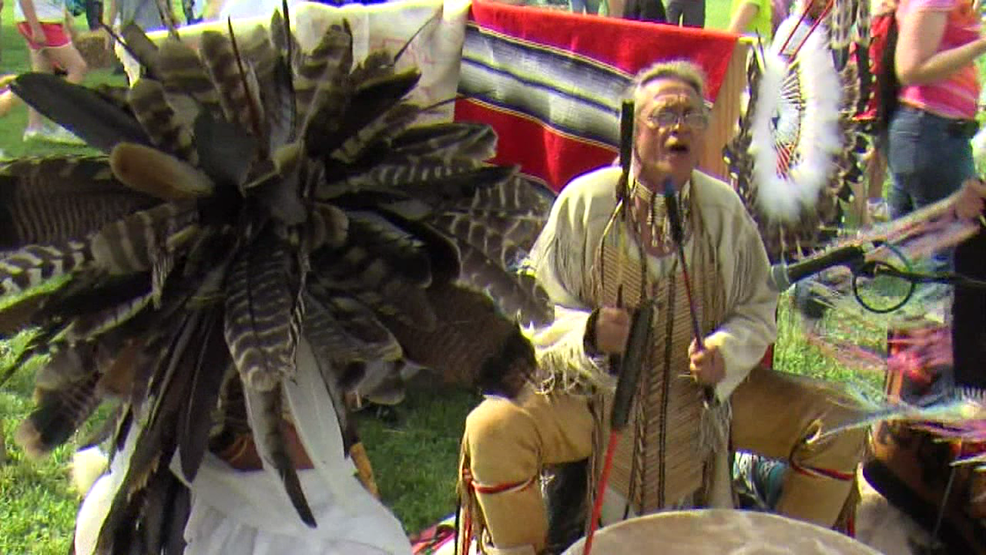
column 507, row 443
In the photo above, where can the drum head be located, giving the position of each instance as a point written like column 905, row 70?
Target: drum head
column 720, row 532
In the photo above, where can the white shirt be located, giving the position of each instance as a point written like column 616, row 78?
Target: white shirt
column 48, row 11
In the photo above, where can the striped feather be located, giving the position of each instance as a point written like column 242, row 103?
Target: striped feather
column 131, row 244
column 407, row 171
column 46, row 200
column 518, row 294
column 321, row 74
column 160, row 121
column 276, row 90
column 368, row 102
column 388, row 125
column 474, row 344
column 262, row 307
column 224, row 69
column 377, row 249
column 182, row 72
column 93, row 325
column 340, row 329
column 446, row 141
column 141, row 48
column 32, row 265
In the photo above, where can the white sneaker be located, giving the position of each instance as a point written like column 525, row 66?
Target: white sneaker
column 31, row 134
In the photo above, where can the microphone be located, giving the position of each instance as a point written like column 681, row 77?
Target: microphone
column 782, row 275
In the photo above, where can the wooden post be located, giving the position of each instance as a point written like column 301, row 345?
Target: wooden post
column 726, row 112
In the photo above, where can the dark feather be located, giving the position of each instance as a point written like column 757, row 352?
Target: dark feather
column 208, row 375
column 443, row 255
column 156, row 440
column 225, row 151
column 101, row 124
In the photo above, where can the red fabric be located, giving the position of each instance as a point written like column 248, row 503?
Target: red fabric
column 557, row 155
column 55, row 35
column 538, row 149
column 622, row 43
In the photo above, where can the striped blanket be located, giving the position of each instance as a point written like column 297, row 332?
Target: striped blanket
column 550, row 82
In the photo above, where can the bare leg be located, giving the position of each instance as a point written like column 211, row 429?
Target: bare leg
column 45, row 60
column 876, row 174
column 40, row 64
column 68, row 58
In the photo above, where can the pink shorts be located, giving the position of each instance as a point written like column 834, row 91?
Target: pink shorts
column 55, row 35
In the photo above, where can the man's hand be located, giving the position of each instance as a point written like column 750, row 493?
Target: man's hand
column 970, row 201
column 708, row 366
column 612, row 330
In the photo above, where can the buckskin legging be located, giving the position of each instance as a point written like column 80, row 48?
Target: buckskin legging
column 507, row 443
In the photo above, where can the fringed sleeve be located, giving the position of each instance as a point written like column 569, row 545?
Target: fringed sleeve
column 562, row 361
column 750, row 324
column 561, row 259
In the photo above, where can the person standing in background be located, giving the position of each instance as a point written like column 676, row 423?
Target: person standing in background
column 640, row 10
column 584, row 6
column 121, row 13
column 687, row 13
column 759, row 17
column 930, row 152
column 42, row 24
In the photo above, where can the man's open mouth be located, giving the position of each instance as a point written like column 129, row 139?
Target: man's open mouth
column 678, row 148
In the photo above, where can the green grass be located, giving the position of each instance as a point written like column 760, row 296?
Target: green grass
column 414, row 459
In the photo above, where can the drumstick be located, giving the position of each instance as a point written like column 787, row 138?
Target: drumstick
column 630, row 366
column 678, row 237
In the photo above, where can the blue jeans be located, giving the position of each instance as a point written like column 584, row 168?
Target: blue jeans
column 585, row 6
column 928, row 161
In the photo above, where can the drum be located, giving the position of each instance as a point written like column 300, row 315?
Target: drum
column 720, row 532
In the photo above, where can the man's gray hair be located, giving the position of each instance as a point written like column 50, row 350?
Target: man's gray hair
column 681, row 70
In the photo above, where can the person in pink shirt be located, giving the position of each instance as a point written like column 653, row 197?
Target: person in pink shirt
column 930, row 153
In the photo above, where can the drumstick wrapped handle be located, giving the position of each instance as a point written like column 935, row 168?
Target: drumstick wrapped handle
column 631, row 365
column 678, row 237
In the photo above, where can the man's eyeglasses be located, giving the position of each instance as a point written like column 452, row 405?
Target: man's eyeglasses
column 670, row 118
